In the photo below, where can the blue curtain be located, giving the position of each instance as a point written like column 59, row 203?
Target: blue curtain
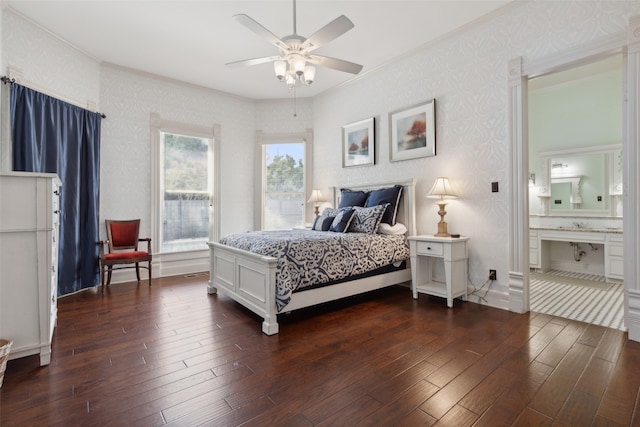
column 53, row 136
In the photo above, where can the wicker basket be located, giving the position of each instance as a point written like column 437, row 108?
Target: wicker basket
column 5, row 348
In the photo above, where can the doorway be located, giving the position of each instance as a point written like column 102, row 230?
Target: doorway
column 575, row 191
column 575, row 171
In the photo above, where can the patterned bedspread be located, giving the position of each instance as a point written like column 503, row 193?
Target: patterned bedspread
column 307, row 258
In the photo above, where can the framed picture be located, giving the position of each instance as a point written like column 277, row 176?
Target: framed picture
column 358, row 143
column 413, row 132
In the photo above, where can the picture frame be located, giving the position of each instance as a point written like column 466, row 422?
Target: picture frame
column 412, row 132
column 358, row 143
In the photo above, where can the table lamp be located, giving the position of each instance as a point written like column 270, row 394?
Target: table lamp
column 316, row 198
column 442, row 190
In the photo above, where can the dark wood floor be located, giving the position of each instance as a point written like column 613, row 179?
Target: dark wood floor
column 172, row 354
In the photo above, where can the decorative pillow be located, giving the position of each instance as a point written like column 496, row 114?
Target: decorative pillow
column 326, row 224
column 326, row 213
column 385, row 228
column 341, row 222
column 366, row 220
column 389, row 195
column 352, row 198
column 322, row 223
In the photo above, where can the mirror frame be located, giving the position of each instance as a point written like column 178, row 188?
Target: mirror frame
column 612, row 185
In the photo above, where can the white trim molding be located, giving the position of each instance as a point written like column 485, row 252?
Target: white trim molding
column 631, row 180
column 189, row 261
column 519, row 211
column 629, row 46
column 267, row 138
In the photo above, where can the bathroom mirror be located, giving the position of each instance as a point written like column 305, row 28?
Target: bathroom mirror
column 584, row 180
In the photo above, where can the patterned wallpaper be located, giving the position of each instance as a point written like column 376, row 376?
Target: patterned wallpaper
column 48, row 62
column 128, row 99
column 277, row 116
column 467, row 75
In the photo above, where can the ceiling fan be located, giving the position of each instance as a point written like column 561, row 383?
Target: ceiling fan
column 295, row 63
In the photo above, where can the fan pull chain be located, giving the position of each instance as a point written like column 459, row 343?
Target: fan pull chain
column 295, row 103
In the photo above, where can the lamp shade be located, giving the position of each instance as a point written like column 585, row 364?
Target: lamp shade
column 280, row 68
column 442, row 189
column 297, row 63
column 309, row 74
column 316, row 197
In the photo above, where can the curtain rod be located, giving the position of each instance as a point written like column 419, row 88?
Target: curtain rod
column 7, row 80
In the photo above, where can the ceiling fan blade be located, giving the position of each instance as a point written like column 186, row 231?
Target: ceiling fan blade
column 336, row 64
column 332, row 30
column 254, row 26
column 250, row 62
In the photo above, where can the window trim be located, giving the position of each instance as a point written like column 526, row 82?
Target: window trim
column 282, row 138
column 213, row 132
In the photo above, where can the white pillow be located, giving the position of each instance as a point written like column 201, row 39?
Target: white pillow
column 385, row 228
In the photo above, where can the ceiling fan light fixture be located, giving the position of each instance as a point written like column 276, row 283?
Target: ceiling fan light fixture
column 298, row 63
column 292, row 66
column 309, row 74
column 280, row 68
column 290, row 79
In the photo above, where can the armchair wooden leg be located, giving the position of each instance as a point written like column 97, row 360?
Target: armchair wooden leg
column 138, row 272
column 109, row 275
column 149, row 273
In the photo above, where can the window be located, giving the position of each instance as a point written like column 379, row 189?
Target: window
column 285, row 165
column 283, row 186
column 185, row 179
column 184, row 188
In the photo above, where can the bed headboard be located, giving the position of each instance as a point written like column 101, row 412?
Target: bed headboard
column 406, row 210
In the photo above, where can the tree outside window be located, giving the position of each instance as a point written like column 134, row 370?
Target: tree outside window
column 284, row 186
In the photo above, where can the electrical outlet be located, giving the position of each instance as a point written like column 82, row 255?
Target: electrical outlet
column 492, row 275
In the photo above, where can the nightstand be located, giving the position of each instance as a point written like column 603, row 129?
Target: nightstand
column 452, row 252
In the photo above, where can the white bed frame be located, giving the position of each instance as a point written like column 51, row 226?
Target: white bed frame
column 250, row 278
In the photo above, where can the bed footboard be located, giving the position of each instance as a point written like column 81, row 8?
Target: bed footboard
column 248, row 278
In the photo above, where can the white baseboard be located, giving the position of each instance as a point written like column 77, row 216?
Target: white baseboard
column 165, row 265
column 493, row 298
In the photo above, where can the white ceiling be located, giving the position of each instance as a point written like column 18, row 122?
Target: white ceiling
column 192, row 40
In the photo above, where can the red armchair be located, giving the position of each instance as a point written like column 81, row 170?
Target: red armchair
column 122, row 243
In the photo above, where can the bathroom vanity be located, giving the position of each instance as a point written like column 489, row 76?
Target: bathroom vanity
column 541, row 237
column 579, row 201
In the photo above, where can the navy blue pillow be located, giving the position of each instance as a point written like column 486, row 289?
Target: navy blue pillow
column 322, row 223
column 341, row 222
column 326, row 223
column 389, row 195
column 352, row 198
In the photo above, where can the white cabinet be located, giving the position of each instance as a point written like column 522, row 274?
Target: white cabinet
column 539, row 248
column 452, row 252
column 614, row 257
column 534, row 249
column 29, row 223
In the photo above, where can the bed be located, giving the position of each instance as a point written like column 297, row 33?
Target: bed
column 250, row 278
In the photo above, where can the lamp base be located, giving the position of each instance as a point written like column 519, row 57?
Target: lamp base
column 442, row 230
column 442, row 225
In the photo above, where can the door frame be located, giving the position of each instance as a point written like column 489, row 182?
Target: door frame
column 519, row 72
